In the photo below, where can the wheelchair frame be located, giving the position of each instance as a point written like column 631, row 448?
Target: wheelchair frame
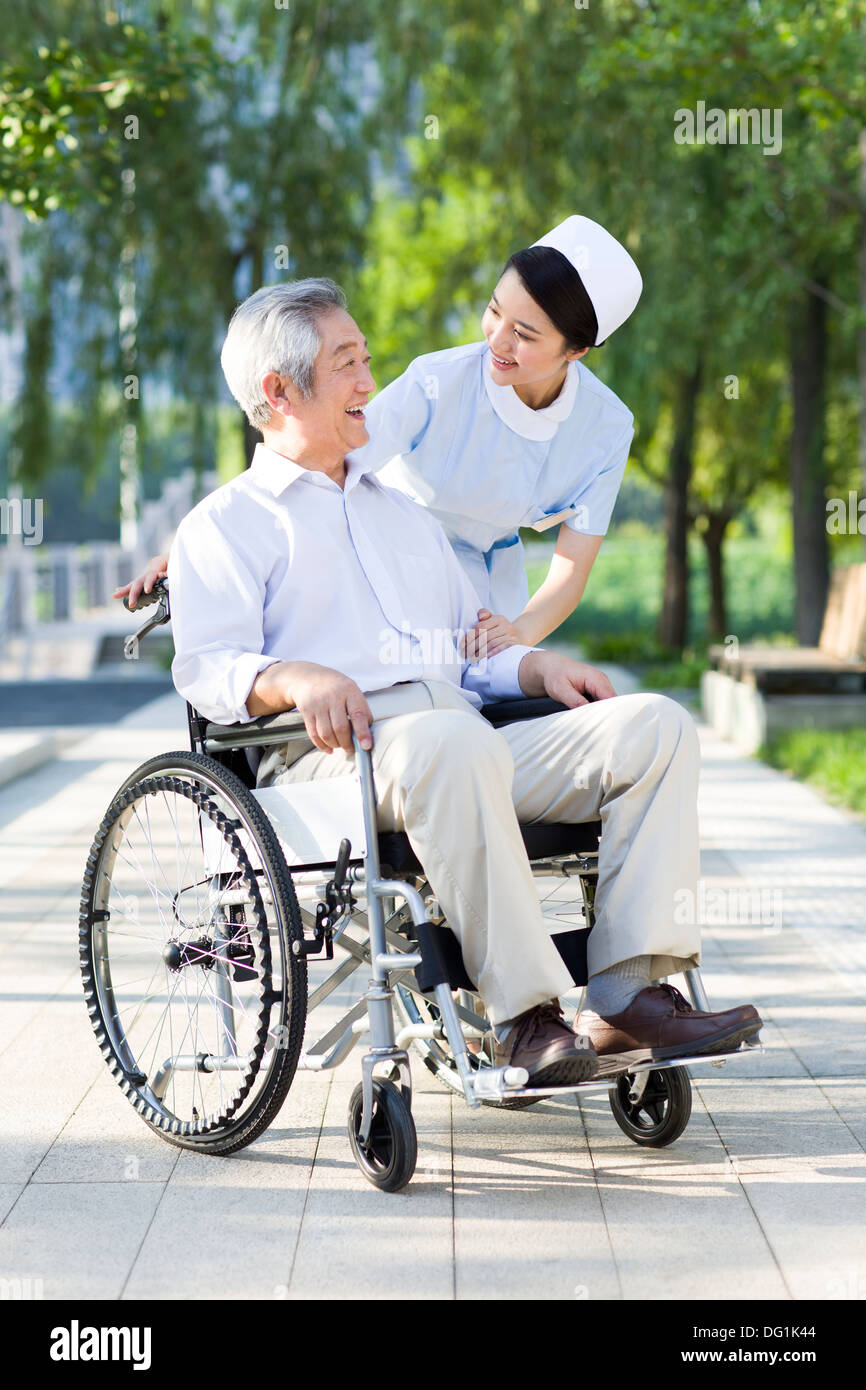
column 419, row 969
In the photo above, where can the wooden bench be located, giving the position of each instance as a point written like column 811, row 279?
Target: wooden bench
column 754, row 693
column 836, row 666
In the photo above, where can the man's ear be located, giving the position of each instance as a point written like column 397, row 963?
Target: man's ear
column 279, row 392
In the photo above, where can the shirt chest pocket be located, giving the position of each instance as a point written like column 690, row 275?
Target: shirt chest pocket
column 541, row 520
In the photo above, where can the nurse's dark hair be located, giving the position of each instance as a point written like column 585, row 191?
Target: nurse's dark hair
column 557, row 288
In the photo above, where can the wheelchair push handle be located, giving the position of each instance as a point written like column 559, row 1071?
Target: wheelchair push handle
column 158, row 592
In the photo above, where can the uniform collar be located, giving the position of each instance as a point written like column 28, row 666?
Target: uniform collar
column 275, row 472
column 531, row 424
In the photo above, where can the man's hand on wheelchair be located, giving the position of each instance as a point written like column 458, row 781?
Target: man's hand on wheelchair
column 562, row 678
column 333, row 706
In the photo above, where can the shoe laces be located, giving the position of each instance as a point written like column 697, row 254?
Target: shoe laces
column 534, row 1021
column 680, row 1003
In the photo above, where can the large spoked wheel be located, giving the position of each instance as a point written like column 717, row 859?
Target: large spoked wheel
column 662, row 1112
column 388, row 1158
column 188, row 917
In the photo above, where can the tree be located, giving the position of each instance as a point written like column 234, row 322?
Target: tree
column 180, row 165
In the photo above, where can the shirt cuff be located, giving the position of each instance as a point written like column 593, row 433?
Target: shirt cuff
column 243, row 678
column 495, row 678
column 219, row 690
column 580, row 522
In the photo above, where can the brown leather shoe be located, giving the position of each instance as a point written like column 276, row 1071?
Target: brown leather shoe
column 541, row 1041
column 660, row 1023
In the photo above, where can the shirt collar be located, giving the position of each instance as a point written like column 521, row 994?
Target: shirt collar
column 275, row 472
column 531, row 424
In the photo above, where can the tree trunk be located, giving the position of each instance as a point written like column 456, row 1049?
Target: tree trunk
column 808, row 372
column 713, row 538
column 861, row 333
column 674, row 620
column 255, row 253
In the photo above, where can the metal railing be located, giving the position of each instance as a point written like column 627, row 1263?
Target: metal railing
column 60, row 582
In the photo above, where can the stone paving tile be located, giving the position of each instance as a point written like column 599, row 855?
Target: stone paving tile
column 43, row 1078
column 9, row 1194
column 106, row 1140
column 679, row 1222
column 682, row 1237
column 36, row 992
column 848, row 1098
column 780, row 835
column 32, row 900
column 358, row 1242
column 785, row 1126
column 236, row 1218
column 813, row 1217
column 80, row 1239
column 528, row 1222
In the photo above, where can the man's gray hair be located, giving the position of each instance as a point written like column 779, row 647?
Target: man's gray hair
column 276, row 330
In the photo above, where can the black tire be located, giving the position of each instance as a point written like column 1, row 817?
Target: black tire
column 388, row 1159
column 217, row 925
column 661, row 1114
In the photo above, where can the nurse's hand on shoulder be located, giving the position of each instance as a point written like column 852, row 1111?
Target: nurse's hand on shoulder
column 491, row 634
column 562, row 678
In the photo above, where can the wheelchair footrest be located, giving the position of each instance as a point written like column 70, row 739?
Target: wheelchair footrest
column 498, row 1083
column 490, row 1085
column 715, row 1059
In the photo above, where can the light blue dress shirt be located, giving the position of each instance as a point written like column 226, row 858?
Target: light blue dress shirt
column 281, row 564
column 485, row 464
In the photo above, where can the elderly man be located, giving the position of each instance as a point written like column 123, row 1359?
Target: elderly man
column 307, row 583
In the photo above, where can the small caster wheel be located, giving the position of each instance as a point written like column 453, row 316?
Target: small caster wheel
column 388, row 1158
column 661, row 1114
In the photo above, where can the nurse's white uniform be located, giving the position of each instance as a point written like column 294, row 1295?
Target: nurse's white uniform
column 485, row 464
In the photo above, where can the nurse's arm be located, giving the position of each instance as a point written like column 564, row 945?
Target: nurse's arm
column 562, row 589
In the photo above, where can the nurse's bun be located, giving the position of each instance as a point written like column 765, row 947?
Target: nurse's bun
column 557, row 288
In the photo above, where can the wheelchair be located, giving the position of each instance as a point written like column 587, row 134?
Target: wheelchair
column 204, row 899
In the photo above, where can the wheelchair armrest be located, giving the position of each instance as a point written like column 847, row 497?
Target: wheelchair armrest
column 288, row 726
column 268, row 728
column 512, row 711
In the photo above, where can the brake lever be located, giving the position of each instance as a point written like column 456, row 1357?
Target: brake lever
column 158, row 595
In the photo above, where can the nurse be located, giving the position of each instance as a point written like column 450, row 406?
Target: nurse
column 515, row 431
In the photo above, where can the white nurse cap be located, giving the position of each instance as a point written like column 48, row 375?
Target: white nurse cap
column 609, row 275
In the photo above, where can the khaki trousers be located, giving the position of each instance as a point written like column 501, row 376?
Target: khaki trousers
column 460, row 789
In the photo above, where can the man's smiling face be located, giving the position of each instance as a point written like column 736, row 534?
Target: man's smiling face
column 332, row 419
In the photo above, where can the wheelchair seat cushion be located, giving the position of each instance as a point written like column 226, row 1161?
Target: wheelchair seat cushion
column 514, row 711
column 541, row 841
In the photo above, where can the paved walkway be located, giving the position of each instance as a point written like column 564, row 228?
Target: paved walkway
column 762, row 1197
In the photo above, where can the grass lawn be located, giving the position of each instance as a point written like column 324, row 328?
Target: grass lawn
column 832, row 760
column 623, row 595
column 617, row 617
